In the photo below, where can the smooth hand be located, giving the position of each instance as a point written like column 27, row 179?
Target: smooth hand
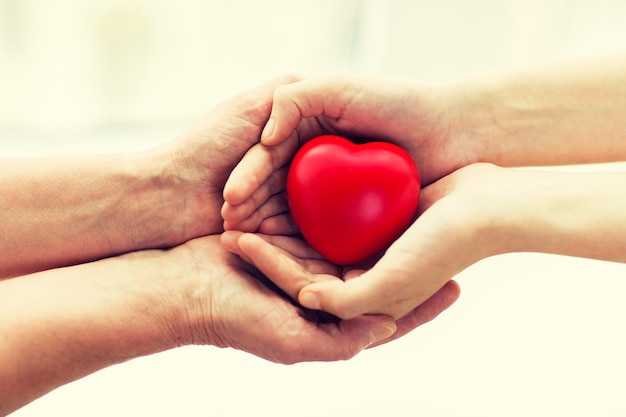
column 412, row 115
column 453, row 231
column 478, row 211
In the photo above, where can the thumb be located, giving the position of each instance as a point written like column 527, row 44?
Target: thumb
column 311, row 97
column 345, row 299
column 288, row 110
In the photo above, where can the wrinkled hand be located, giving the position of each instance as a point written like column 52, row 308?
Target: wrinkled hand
column 228, row 304
column 201, row 159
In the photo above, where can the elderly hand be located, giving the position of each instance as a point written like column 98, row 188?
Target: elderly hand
column 195, row 166
column 229, row 304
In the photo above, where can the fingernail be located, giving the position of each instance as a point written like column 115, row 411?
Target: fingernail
column 381, row 333
column 310, row 300
column 268, row 129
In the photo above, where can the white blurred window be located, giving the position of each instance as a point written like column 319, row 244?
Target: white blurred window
column 81, row 63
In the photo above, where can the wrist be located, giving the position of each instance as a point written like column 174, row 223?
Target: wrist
column 162, row 281
column 186, row 202
column 493, row 219
column 119, row 310
column 63, row 211
column 166, row 199
column 544, row 115
column 441, row 127
column 573, row 214
column 479, row 117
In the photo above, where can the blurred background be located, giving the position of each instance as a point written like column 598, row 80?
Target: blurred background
column 72, row 64
column 532, row 334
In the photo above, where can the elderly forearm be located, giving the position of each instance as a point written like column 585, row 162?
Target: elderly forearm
column 59, row 325
column 59, row 211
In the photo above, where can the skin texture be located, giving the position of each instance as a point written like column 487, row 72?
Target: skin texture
column 469, row 210
column 57, row 211
column 150, row 301
column 110, row 257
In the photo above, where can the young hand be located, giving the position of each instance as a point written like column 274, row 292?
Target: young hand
column 401, row 111
column 478, row 211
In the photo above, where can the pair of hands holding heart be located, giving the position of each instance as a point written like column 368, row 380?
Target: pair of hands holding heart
column 350, row 209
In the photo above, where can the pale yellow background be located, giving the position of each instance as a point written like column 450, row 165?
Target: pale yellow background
column 531, row 335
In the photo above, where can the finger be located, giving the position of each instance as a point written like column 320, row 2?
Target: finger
column 295, row 246
column 432, row 193
column 389, row 287
column 300, row 252
column 259, row 97
column 275, row 205
column 274, row 184
column 302, row 100
column 281, row 224
column 290, row 123
column 374, row 291
column 427, row 311
column 287, row 271
column 353, row 273
column 331, row 342
column 257, row 165
column 230, row 241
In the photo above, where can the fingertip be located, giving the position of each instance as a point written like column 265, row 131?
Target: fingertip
column 250, row 244
column 381, row 332
column 453, row 291
column 370, row 330
column 225, row 211
column 285, row 116
column 246, row 238
column 234, row 215
column 273, row 139
column 281, row 224
column 309, row 299
column 268, row 131
column 353, row 273
column 232, row 194
column 238, row 187
column 332, row 296
column 229, row 240
column 228, row 226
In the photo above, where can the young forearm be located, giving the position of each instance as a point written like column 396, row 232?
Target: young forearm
column 60, row 325
column 65, row 210
column 564, row 113
column 567, row 213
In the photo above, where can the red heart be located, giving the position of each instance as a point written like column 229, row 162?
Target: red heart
column 351, row 201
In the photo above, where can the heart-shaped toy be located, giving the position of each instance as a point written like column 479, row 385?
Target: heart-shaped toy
column 351, row 201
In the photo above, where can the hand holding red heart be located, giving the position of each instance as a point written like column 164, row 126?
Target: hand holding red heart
column 413, row 277
column 467, row 212
column 255, row 192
